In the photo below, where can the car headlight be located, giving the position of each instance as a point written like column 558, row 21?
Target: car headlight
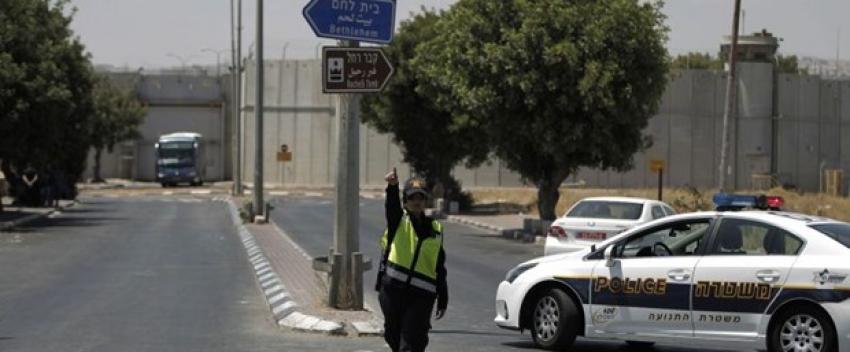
column 517, row 271
column 161, row 174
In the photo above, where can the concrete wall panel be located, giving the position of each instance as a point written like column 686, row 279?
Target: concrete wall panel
column 681, row 151
column 807, row 165
column 704, row 154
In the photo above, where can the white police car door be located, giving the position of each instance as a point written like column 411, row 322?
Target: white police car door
column 746, row 263
column 644, row 289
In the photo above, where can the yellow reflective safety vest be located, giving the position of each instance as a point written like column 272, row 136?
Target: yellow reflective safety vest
column 413, row 260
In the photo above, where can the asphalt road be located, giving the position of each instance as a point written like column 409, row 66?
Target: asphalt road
column 141, row 274
column 169, row 274
column 476, row 262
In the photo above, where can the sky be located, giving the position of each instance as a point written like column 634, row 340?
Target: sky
column 165, row 33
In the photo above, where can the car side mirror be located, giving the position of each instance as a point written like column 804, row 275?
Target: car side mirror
column 609, row 256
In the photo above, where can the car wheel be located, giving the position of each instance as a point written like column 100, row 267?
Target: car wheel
column 164, row 185
column 802, row 329
column 555, row 320
column 640, row 345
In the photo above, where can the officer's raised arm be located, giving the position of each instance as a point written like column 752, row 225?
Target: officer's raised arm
column 392, row 203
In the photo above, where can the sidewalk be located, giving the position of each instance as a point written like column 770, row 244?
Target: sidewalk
column 296, row 293
column 15, row 216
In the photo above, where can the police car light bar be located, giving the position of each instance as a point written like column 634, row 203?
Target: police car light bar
column 725, row 201
column 775, row 202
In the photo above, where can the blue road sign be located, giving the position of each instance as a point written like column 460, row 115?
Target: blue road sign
column 362, row 20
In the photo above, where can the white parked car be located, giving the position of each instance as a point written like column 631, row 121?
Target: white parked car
column 750, row 279
column 592, row 220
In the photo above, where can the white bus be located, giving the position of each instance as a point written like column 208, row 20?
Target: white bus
column 180, row 159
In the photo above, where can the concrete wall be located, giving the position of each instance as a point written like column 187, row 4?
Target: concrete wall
column 804, row 115
column 687, row 135
column 297, row 114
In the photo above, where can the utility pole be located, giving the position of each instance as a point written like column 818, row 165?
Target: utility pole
column 346, row 236
column 259, row 206
column 239, row 70
column 731, row 97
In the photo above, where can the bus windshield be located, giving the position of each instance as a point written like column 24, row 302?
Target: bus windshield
column 176, row 155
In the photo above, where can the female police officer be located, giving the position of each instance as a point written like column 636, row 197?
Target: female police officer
column 413, row 271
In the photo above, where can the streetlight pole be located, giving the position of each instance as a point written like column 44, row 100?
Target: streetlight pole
column 217, row 59
column 236, row 94
column 259, row 207
column 285, row 45
column 181, row 59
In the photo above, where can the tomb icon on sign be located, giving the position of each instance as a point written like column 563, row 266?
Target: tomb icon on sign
column 335, row 70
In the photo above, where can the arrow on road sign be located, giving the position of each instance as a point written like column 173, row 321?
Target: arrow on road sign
column 361, row 20
column 354, row 70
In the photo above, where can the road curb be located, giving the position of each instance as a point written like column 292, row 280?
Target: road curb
column 5, row 226
column 368, row 328
column 283, row 308
column 478, row 224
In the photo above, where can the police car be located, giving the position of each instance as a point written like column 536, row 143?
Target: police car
column 755, row 279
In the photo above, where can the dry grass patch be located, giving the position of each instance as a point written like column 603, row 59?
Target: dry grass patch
column 683, row 199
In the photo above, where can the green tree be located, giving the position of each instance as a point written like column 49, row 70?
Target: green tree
column 557, row 85
column 695, row 60
column 431, row 139
column 118, row 113
column 45, row 89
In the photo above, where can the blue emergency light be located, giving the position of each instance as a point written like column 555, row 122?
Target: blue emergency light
column 725, row 201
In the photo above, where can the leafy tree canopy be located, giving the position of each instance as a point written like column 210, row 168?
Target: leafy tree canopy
column 433, row 138
column 557, row 85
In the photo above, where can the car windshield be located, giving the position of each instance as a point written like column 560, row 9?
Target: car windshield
column 838, row 231
column 598, row 209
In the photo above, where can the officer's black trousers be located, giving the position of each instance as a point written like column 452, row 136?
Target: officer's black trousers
column 407, row 318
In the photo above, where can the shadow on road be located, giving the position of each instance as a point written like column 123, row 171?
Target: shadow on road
column 470, row 332
column 73, row 222
column 582, row 345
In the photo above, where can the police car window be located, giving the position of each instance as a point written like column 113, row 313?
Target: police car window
column 669, row 210
column 657, row 212
column 747, row 237
column 839, row 232
column 677, row 239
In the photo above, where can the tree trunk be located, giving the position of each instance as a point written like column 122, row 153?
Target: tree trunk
column 547, row 199
column 548, row 195
column 449, row 186
column 97, row 178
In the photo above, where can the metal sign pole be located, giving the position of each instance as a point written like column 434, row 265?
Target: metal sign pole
column 346, row 236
